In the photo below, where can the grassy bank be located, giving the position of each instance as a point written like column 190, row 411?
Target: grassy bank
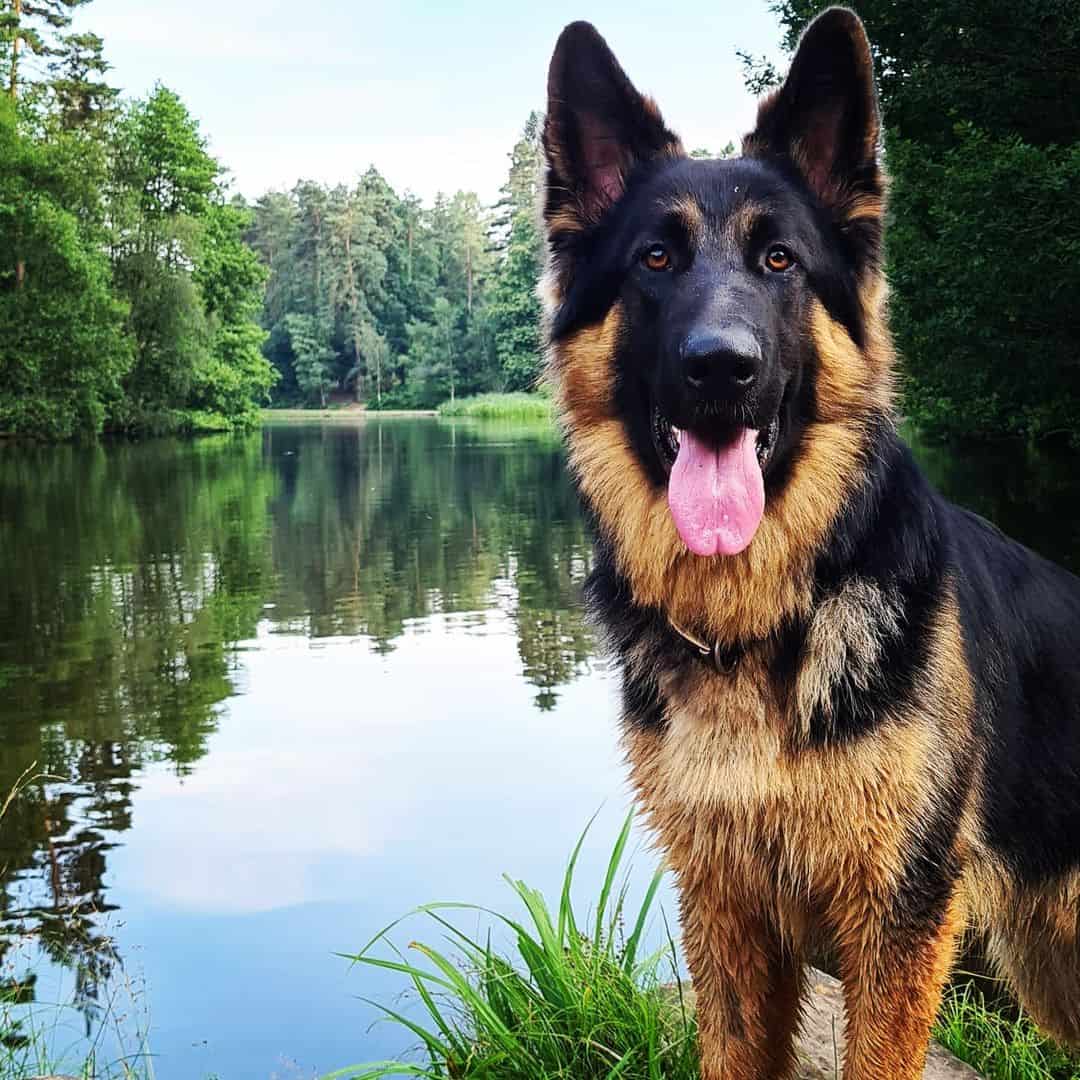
column 500, row 407
column 350, row 414
column 996, row 1046
column 577, row 999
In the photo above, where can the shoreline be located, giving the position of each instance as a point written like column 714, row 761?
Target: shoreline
column 341, row 414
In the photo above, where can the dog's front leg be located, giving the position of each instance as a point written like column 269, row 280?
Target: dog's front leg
column 893, row 975
column 748, row 989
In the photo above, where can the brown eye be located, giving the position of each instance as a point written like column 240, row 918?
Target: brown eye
column 657, row 257
column 779, row 259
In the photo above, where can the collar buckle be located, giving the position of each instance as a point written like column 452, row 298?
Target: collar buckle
column 724, row 658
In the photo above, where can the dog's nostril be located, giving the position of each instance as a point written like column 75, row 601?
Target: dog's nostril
column 697, row 371
column 742, row 372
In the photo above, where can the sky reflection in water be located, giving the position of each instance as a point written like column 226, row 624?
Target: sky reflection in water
column 299, row 682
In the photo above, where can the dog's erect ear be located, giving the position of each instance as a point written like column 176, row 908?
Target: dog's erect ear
column 597, row 129
column 824, row 119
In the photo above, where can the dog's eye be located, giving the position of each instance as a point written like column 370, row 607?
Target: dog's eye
column 778, row 259
column 656, row 257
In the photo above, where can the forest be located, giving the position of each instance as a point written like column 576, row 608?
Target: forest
column 981, row 104
column 129, row 299
column 374, row 297
column 139, row 295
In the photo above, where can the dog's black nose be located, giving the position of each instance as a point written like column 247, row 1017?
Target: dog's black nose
column 722, row 363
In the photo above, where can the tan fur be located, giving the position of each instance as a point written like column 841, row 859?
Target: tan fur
column 745, row 596
column 797, row 844
column 850, row 381
column 689, row 213
column 846, row 634
column 739, row 225
column 1032, row 936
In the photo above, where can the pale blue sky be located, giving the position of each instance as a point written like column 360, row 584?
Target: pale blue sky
column 433, row 95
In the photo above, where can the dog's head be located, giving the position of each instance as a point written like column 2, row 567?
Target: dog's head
column 710, row 321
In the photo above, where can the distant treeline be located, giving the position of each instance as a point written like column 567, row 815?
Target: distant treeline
column 374, row 296
column 129, row 300
column 135, row 295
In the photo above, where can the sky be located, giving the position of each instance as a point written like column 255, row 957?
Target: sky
column 433, row 95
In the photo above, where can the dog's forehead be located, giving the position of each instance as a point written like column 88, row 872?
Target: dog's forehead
column 730, row 195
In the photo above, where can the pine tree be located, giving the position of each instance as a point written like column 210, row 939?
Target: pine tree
column 78, row 82
column 515, row 307
column 29, row 24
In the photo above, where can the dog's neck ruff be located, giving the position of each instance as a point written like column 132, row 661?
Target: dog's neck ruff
column 723, row 657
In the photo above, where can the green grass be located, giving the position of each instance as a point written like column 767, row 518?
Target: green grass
column 500, row 407
column 576, row 1002
column 45, row 1039
column 998, row 1047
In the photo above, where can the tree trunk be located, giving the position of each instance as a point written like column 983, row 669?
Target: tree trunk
column 353, row 305
column 13, row 90
column 468, row 278
column 13, row 84
column 450, row 359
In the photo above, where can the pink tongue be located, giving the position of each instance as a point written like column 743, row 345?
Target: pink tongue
column 717, row 496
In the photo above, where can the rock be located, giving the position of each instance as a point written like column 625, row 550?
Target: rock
column 821, row 1044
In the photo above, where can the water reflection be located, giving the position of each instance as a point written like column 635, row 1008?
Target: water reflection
column 135, row 579
column 286, row 679
column 389, row 522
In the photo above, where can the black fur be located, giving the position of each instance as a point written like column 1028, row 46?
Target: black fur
column 809, row 180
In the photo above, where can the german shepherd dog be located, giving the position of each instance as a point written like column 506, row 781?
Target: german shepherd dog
column 851, row 709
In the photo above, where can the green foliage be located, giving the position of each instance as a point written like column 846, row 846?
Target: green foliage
column 233, row 378
column 409, row 306
column 1000, row 1048
column 313, row 357
column 982, row 112
column 30, row 26
column 583, row 1001
column 173, row 249
column 580, row 999
column 129, row 299
column 510, row 406
column 82, row 96
column 63, row 345
column 1006, row 68
column 986, row 267
column 515, row 305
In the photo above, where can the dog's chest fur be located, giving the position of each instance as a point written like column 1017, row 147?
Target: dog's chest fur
column 745, row 802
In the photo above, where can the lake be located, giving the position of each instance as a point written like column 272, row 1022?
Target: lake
column 271, row 691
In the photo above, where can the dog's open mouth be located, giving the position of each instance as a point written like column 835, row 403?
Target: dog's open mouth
column 667, row 438
column 716, row 487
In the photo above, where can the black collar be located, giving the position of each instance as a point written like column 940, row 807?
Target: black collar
column 724, row 658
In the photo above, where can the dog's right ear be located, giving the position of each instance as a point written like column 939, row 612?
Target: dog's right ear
column 597, row 129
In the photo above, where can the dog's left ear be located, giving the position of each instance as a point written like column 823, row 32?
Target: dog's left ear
column 824, row 119
column 597, row 129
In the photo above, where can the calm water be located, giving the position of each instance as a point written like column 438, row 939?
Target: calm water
column 287, row 686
